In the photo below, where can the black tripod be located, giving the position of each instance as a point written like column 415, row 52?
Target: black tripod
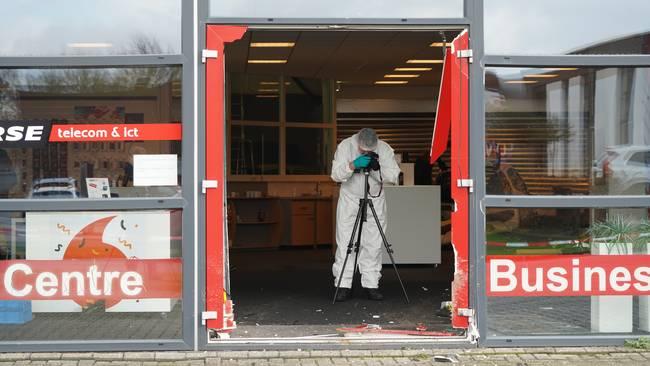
column 364, row 203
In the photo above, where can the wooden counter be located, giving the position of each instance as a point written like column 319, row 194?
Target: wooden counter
column 269, row 222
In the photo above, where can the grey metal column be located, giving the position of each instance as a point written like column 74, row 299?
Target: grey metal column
column 478, row 300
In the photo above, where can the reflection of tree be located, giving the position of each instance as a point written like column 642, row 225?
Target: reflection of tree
column 144, row 45
column 101, row 80
column 9, row 109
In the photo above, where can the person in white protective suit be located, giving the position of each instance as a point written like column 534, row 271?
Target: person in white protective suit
column 349, row 157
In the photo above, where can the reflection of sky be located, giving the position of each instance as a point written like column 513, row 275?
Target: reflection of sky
column 337, row 8
column 37, row 27
column 559, row 26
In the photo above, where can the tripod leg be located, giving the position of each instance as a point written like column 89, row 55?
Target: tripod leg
column 356, row 227
column 389, row 250
column 363, row 206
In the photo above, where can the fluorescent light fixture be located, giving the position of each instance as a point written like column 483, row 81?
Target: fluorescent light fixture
column 521, row 82
column 561, row 68
column 269, row 83
column 401, row 76
column 541, row 76
column 440, row 44
column 268, row 90
column 391, row 82
column 412, row 69
column 424, row 61
column 90, row 45
column 266, row 96
column 267, row 61
column 273, row 44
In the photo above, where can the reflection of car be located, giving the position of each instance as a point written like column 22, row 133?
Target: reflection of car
column 625, row 169
column 54, row 188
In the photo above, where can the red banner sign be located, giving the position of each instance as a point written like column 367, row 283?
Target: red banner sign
column 85, row 280
column 568, row 275
column 115, row 132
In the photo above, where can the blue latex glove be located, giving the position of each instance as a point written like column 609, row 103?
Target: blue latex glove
column 361, row 162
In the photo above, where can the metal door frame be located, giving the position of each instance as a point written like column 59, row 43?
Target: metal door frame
column 472, row 21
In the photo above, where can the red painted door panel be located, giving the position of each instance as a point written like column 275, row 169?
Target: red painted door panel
column 453, row 113
column 215, row 162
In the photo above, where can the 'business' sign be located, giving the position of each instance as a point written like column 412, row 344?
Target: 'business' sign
column 568, row 275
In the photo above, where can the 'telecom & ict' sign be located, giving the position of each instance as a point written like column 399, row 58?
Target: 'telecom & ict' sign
column 23, row 134
column 568, row 275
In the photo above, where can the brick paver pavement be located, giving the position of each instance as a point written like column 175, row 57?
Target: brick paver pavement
column 591, row 356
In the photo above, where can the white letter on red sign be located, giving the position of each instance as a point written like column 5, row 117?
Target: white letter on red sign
column 93, row 277
column 496, row 275
column 619, row 279
column 131, row 279
column 556, row 276
column 8, row 280
column 46, row 284
column 641, row 275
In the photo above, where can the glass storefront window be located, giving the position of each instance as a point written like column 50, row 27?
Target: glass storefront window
column 304, row 99
column 64, row 281
column 515, row 27
column 83, row 28
column 254, row 98
column 567, row 131
column 567, row 271
column 336, row 9
column 309, row 150
column 254, row 150
column 77, row 133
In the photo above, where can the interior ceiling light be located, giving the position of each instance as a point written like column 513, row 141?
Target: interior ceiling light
column 90, row 45
column 440, row 44
column 267, row 61
column 266, row 96
column 424, row 61
column 268, row 90
column 391, row 82
column 269, row 83
column 561, row 68
column 521, row 81
column 541, row 76
column 412, row 69
column 273, row 44
column 401, row 76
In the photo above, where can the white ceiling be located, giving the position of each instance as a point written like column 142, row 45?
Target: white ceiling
column 358, row 58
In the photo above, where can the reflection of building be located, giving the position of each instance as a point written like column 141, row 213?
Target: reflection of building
column 557, row 122
column 635, row 43
column 149, row 101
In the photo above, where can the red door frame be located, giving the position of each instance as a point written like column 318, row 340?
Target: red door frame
column 453, row 112
column 216, row 301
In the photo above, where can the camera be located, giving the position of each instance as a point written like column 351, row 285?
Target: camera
column 374, row 160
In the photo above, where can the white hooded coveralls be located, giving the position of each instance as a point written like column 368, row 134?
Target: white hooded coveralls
column 370, row 250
